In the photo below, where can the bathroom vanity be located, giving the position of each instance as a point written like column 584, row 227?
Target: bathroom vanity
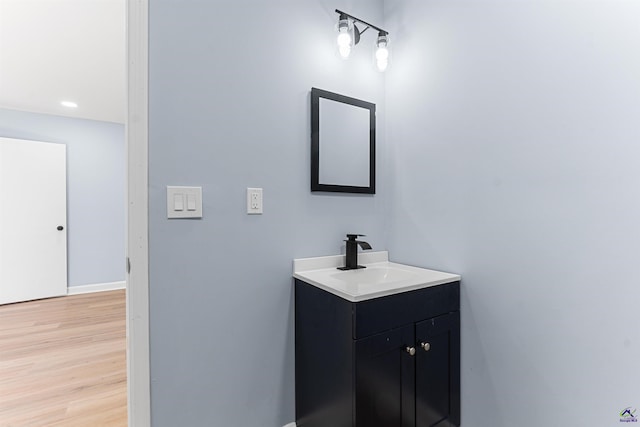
column 376, row 347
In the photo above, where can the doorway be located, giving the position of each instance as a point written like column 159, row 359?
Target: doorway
column 137, row 347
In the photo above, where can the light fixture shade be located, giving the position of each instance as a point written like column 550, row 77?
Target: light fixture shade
column 345, row 37
column 382, row 52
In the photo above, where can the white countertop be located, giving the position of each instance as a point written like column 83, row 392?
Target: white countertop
column 380, row 278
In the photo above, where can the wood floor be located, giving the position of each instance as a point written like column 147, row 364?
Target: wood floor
column 63, row 362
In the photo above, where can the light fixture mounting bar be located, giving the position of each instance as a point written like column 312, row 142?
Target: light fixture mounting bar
column 380, row 30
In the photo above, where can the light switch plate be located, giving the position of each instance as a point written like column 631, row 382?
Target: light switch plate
column 184, row 202
column 254, row 201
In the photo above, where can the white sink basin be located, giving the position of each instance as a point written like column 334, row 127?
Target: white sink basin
column 380, row 278
column 375, row 274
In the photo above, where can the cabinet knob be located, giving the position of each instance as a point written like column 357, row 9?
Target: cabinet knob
column 411, row 351
column 425, row 346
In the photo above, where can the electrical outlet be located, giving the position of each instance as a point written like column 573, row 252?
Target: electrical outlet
column 254, row 201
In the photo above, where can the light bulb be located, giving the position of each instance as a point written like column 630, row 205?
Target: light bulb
column 382, row 52
column 382, row 58
column 345, row 41
column 382, row 64
column 345, row 51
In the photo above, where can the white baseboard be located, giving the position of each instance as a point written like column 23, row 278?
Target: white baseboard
column 97, row 287
column 291, row 425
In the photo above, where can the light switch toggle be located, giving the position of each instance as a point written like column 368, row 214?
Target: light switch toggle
column 191, row 202
column 178, row 202
column 184, row 202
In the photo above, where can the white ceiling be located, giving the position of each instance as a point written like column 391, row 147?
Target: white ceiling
column 56, row 50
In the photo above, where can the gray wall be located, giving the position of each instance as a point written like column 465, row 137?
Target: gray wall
column 95, row 189
column 513, row 139
column 230, row 89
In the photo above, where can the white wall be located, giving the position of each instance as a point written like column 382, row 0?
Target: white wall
column 95, row 189
column 513, row 138
column 230, row 86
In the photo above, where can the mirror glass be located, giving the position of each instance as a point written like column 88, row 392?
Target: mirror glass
column 343, row 143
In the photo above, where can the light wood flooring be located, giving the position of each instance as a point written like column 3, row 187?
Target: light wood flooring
column 63, row 362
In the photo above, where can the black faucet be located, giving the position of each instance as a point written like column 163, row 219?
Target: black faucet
column 352, row 252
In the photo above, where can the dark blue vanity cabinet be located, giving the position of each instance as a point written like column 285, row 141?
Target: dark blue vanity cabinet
column 392, row 361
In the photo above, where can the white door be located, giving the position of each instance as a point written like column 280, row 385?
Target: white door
column 33, row 220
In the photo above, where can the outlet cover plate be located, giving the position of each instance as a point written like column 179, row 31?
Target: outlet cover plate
column 254, row 201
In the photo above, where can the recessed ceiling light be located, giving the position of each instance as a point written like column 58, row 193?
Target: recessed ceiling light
column 69, row 104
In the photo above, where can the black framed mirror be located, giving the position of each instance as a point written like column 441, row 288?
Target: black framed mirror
column 343, row 143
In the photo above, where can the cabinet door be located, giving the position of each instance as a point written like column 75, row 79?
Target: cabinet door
column 438, row 371
column 385, row 380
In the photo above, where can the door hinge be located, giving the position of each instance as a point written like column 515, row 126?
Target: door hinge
column 128, row 265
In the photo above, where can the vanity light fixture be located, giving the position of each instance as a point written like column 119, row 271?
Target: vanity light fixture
column 349, row 36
